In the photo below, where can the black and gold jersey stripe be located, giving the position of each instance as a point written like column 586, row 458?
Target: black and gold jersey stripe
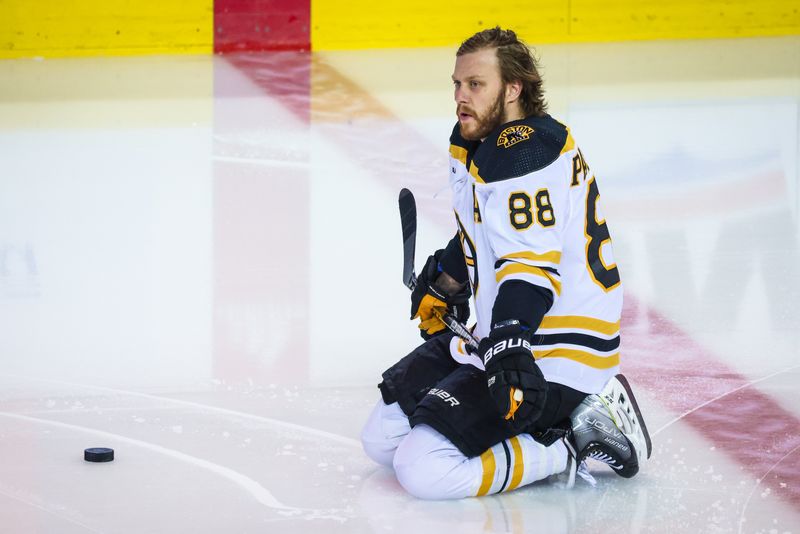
column 595, row 345
column 580, row 340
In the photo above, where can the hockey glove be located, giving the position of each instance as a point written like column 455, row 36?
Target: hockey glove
column 515, row 381
column 428, row 300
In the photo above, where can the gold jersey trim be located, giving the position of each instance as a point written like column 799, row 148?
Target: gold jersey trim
column 569, row 144
column 459, row 153
column 513, row 268
column 586, row 358
column 473, row 171
column 552, row 256
column 583, row 323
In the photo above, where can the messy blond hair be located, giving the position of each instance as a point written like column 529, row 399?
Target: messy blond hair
column 516, row 64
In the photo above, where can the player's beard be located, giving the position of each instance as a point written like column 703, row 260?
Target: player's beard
column 484, row 124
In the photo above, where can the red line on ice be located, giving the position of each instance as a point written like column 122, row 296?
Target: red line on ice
column 746, row 425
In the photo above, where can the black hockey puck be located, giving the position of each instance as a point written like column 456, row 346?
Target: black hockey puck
column 98, row 454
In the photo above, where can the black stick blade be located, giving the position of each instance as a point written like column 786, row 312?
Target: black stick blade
column 408, row 220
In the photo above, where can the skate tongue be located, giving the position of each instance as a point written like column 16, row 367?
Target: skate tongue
column 584, row 473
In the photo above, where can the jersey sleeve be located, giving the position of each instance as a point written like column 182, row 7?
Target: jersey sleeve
column 452, row 261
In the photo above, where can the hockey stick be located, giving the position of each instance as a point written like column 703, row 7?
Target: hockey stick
column 408, row 220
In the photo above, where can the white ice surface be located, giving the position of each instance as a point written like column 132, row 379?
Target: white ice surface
column 206, row 279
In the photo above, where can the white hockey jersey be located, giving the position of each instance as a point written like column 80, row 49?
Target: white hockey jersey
column 527, row 208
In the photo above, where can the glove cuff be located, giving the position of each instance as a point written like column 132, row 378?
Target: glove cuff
column 506, row 338
column 509, row 328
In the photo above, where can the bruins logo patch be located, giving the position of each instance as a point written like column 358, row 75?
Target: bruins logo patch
column 513, row 135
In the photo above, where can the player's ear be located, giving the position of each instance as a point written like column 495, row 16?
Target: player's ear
column 513, row 90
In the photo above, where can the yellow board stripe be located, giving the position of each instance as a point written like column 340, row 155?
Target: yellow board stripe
column 473, row 170
column 577, row 321
column 552, row 256
column 569, row 144
column 487, row 460
column 363, row 24
column 459, row 153
column 53, row 28
column 585, row 358
column 519, row 464
column 517, row 268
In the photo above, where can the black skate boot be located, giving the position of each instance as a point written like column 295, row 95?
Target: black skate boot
column 609, row 427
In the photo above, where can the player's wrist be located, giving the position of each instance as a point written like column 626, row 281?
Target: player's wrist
column 448, row 285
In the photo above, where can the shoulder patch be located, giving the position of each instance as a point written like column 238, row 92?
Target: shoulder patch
column 513, row 135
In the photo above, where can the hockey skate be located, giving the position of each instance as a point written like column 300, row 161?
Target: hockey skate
column 609, row 428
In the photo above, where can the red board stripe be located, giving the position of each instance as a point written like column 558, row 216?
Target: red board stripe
column 251, row 25
column 261, row 226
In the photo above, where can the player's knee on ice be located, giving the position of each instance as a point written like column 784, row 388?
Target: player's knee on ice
column 429, row 466
column 383, row 431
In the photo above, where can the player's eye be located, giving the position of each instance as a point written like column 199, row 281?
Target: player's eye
column 474, row 84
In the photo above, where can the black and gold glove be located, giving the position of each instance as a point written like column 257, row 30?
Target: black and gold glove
column 515, row 382
column 429, row 302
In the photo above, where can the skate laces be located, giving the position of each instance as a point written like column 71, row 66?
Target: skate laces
column 600, row 456
column 584, row 473
column 566, row 479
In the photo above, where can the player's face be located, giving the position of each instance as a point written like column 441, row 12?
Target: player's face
column 479, row 94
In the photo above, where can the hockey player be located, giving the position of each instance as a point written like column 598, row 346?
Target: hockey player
column 533, row 249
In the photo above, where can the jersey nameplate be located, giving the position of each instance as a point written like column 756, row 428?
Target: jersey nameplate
column 513, row 135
